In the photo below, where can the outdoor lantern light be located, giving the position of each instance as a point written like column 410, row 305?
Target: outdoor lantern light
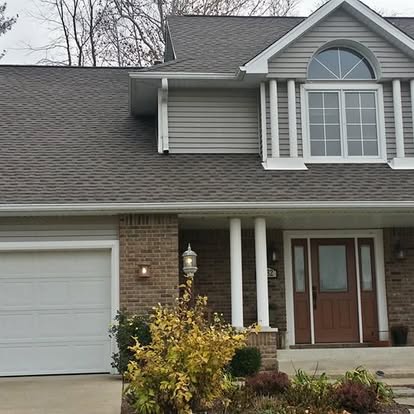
column 272, row 256
column 399, row 251
column 144, row 270
column 189, row 262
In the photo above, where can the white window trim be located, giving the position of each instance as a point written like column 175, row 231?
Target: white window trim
column 343, row 85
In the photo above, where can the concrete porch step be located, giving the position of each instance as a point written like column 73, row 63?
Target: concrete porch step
column 335, row 361
column 408, row 401
column 403, row 392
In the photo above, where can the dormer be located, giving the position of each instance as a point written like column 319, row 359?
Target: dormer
column 336, row 87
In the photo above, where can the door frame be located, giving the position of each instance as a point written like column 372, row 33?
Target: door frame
column 377, row 236
column 111, row 245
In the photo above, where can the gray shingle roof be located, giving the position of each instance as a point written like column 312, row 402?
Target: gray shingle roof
column 222, row 43
column 66, row 136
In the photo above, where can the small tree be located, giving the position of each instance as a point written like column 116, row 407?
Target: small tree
column 184, row 367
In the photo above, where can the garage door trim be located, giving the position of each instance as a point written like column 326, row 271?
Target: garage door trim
column 112, row 245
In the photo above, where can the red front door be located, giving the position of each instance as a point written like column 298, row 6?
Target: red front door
column 334, row 290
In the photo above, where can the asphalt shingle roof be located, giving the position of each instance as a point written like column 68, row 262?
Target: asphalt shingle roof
column 222, row 43
column 66, row 136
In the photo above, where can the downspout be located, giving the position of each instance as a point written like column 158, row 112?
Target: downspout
column 164, row 115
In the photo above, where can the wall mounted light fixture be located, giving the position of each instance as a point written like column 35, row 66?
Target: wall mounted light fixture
column 272, row 257
column 144, row 270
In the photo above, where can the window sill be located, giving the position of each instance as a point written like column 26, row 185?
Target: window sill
column 406, row 163
column 348, row 160
column 284, row 163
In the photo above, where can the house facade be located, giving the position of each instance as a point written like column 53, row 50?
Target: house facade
column 282, row 149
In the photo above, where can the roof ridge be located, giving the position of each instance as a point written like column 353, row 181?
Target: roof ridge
column 18, row 65
column 234, row 16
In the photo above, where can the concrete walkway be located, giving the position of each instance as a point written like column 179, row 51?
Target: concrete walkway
column 403, row 391
column 74, row 394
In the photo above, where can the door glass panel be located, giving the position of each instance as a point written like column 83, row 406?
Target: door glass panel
column 332, row 269
column 366, row 267
column 299, row 261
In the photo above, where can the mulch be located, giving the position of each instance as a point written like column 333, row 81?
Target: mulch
column 394, row 409
column 126, row 409
column 391, row 409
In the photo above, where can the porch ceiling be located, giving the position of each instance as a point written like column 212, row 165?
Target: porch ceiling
column 307, row 219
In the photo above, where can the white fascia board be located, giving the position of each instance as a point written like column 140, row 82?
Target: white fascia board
column 259, row 63
column 180, row 207
column 182, row 75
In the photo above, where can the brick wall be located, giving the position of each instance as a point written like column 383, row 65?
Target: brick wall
column 213, row 276
column 266, row 342
column 399, row 276
column 148, row 240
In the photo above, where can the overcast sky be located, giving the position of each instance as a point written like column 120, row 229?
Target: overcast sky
column 30, row 31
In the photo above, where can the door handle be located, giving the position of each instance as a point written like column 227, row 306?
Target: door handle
column 314, row 297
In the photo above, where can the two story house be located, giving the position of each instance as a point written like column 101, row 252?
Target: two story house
column 281, row 148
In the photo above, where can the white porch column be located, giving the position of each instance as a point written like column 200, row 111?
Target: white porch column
column 398, row 118
column 274, row 118
column 236, row 273
column 261, row 272
column 412, row 100
column 263, row 122
column 293, row 134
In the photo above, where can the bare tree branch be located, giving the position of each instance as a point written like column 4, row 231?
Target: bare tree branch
column 133, row 32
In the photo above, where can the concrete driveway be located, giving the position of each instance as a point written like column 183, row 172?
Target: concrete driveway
column 74, row 394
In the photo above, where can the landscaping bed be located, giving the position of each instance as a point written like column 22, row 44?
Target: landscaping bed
column 357, row 392
column 179, row 361
column 393, row 408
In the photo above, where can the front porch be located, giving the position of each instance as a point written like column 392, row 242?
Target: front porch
column 233, row 250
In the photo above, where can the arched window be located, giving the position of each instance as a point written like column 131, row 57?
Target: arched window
column 340, row 63
column 343, row 117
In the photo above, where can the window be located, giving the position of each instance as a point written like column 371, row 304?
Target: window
column 343, row 123
column 344, row 118
column 340, row 63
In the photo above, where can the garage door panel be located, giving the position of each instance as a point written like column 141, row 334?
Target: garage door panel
column 89, row 292
column 53, row 358
column 15, row 293
column 17, row 326
column 48, row 263
column 55, row 311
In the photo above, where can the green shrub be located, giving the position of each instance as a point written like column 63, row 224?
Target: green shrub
column 360, row 375
column 126, row 329
column 356, row 397
column 311, row 391
column 246, row 361
column 268, row 383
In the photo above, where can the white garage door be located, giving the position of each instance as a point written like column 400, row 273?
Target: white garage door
column 55, row 310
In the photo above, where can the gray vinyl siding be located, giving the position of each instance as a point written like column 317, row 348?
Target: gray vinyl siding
column 407, row 119
column 213, row 121
column 293, row 61
column 59, row 228
column 283, row 118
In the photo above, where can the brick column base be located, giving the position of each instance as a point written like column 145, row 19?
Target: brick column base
column 266, row 342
